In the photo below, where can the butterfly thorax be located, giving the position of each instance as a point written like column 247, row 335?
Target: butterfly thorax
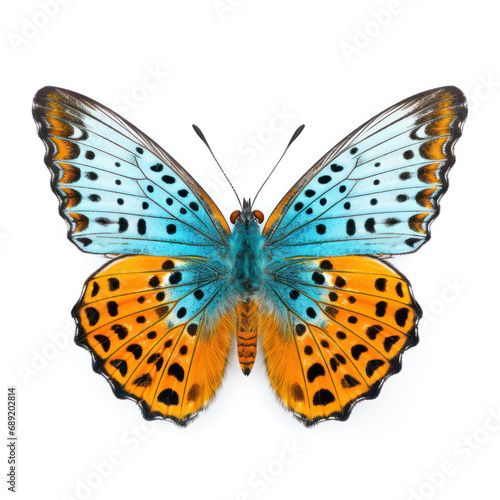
column 247, row 258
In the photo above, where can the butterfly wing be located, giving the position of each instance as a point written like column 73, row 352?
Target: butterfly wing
column 155, row 325
column 342, row 319
column 338, row 331
column 118, row 190
column 378, row 190
column 155, row 330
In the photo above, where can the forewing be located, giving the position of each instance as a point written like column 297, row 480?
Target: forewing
column 118, row 190
column 378, row 190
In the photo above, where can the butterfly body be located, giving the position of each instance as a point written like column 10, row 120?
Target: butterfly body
column 332, row 317
column 247, row 257
column 247, row 261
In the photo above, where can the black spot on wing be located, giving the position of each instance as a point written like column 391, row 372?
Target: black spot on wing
column 351, row 227
column 380, row 309
column 104, row 341
column 323, row 397
column 373, row 365
column 168, row 397
column 143, row 380
column 92, row 315
column 318, row 278
column 192, row 329
column 153, row 358
column 120, row 365
column 113, row 284
column 120, row 330
column 357, row 350
column 340, row 282
column 135, row 350
column 316, row 370
column 176, row 371
column 370, row 225
column 390, row 341
column 112, row 307
column 154, row 282
column 175, row 278
column 349, row 381
column 381, row 284
column 373, row 331
column 401, row 316
column 300, row 329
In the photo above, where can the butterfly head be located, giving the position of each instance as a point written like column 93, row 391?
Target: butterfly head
column 246, row 215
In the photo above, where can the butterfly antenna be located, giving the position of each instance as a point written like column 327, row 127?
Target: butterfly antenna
column 203, row 138
column 294, row 136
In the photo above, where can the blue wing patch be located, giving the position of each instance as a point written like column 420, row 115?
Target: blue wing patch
column 119, row 191
column 378, row 190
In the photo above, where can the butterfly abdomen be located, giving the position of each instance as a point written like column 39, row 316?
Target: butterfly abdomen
column 247, row 329
column 247, row 261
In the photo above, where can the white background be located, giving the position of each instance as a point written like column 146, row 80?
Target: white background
column 230, row 66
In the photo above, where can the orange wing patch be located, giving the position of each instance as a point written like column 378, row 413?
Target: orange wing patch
column 171, row 368
column 320, row 369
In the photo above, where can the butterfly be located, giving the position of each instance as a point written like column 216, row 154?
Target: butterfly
column 332, row 317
